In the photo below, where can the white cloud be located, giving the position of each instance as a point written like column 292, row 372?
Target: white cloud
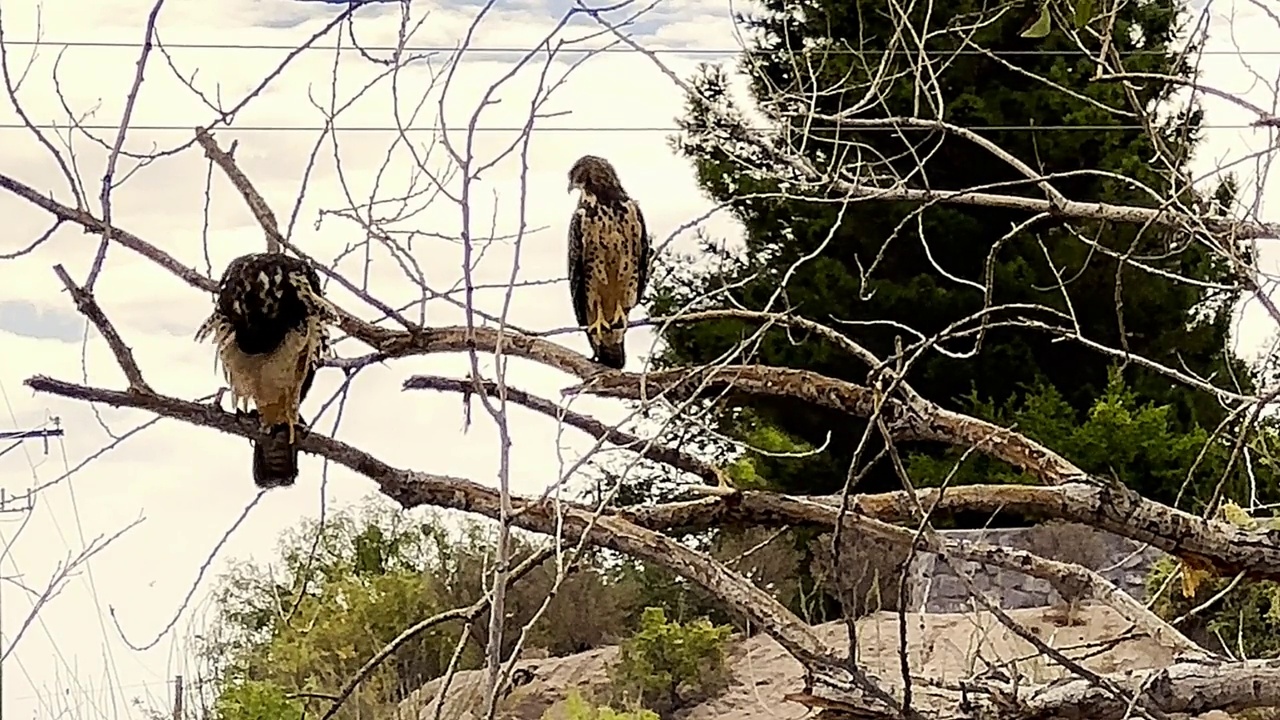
column 1238, row 61
column 192, row 484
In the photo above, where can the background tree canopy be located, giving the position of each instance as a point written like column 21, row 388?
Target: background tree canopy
column 818, row 65
column 342, row 588
column 832, row 75
column 1095, row 337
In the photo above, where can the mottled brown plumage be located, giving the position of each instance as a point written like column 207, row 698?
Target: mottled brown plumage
column 608, row 257
column 270, row 324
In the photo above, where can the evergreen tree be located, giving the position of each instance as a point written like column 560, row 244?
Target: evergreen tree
column 893, row 261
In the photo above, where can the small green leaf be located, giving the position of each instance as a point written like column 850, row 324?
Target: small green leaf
column 1084, row 12
column 1041, row 27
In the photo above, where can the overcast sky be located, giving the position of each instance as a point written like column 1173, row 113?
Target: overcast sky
column 190, row 484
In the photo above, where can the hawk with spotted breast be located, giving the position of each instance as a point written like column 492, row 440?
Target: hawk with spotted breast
column 608, row 257
column 270, row 325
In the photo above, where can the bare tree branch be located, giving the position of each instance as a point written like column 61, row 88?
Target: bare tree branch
column 1195, row 682
column 1226, row 545
column 1186, row 687
column 89, row 307
column 252, row 197
column 711, row 474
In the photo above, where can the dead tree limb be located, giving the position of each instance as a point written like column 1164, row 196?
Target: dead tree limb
column 672, row 457
column 1185, row 687
column 1178, row 688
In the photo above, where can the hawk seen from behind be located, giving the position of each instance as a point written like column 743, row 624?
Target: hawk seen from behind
column 270, row 324
column 608, row 257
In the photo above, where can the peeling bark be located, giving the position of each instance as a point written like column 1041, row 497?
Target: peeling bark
column 1197, row 683
column 1185, row 687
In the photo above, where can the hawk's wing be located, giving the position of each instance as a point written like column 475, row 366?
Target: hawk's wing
column 577, row 273
column 264, row 296
column 645, row 248
column 269, row 323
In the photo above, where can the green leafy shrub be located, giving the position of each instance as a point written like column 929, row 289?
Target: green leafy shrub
column 1245, row 621
column 254, row 700
column 337, row 591
column 1138, row 441
column 575, row 707
column 668, row 665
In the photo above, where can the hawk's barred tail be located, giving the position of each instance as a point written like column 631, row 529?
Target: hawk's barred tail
column 275, row 461
column 611, row 350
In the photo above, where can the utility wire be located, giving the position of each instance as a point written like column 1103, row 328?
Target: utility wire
column 106, row 44
column 13, row 560
column 582, row 128
column 508, row 49
column 111, row 668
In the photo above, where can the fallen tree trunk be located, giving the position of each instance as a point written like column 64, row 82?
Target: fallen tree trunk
column 1189, row 688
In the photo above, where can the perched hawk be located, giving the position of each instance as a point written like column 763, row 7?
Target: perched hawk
column 270, row 324
column 608, row 257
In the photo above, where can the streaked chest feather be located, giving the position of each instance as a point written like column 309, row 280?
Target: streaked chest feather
column 611, row 244
column 266, row 378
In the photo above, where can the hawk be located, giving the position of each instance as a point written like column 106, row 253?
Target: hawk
column 270, row 324
column 608, row 257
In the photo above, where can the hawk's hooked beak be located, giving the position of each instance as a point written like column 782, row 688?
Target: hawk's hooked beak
column 570, row 186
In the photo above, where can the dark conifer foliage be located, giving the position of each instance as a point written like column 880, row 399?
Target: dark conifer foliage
column 891, row 263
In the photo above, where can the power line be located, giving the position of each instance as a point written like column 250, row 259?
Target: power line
column 39, row 618
column 81, row 692
column 29, row 434
column 110, row 660
column 20, row 504
column 582, row 128
column 20, row 435
column 510, row 49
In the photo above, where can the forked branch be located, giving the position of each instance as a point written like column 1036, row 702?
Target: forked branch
column 88, row 307
column 1136, row 517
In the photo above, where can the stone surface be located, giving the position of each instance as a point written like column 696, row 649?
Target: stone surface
column 1123, row 561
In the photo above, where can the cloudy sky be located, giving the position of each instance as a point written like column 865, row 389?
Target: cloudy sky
column 190, row 486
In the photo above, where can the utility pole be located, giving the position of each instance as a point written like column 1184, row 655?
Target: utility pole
column 177, row 698
column 11, row 504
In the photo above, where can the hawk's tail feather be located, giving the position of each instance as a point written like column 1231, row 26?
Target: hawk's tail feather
column 275, row 460
column 611, row 349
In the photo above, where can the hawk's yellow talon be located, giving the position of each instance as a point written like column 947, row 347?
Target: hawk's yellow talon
column 609, row 250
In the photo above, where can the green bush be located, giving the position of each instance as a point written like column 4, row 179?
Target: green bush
column 338, row 591
column 667, row 665
column 1139, row 442
column 1244, row 621
column 254, row 700
column 575, row 707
